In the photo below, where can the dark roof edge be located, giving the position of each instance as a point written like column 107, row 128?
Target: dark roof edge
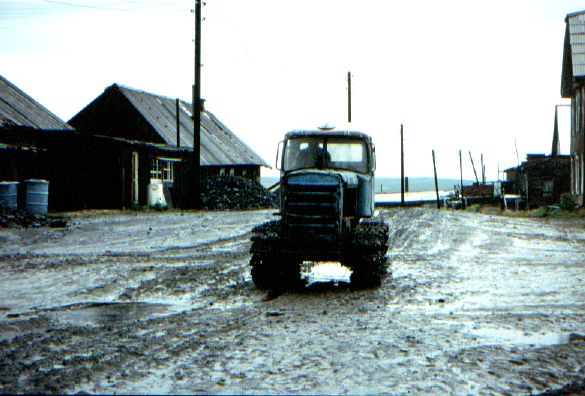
column 572, row 14
column 28, row 97
column 123, row 87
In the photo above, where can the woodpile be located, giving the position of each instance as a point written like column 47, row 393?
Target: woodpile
column 19, row 218
column 235, row 193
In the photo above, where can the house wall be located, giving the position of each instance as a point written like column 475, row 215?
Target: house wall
column 85, row 171
column 544, row 182
column 578, row 142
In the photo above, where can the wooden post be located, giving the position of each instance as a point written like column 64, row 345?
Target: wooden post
column 461, row 179
column 401, row 166
column 482, row 170
column 436, row 181
column 197, row 111
column 349, row 97
column 473, row 165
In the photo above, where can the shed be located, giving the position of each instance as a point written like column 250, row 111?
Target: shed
column 20, row 111
column 540, row 180
column 573, row 87
column 132, row 114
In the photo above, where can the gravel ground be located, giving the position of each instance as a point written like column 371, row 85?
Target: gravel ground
column 122, row 302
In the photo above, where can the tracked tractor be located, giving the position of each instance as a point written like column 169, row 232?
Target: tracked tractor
column 326, row 201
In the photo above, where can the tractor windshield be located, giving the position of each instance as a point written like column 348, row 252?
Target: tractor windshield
column 323, row 152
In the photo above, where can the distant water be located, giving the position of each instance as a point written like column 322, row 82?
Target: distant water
column 392, row 184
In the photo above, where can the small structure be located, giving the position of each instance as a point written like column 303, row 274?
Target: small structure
column 131, row 114
column 19, row 110
column 573, row 87
column 477, row 190
column 540, row 180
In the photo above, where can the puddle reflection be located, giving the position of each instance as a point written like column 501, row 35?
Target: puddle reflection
column 325, row 272
column 104, row 314
column 517, row 337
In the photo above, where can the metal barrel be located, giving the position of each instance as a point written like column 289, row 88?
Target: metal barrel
column 37, row 196
column 9, row 194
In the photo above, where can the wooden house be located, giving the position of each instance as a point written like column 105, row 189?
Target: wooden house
column 84, row 170
column 136, row 115
column 540, row 180
column 573, row 87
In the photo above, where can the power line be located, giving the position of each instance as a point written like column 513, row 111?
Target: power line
column 66, row 3
column 134, row 6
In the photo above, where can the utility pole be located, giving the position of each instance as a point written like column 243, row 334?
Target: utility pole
column 349, row 97
column 197, row 110
column 473, row 165
column 401, row 166
column 482, row 170
column 436, row 181
column 461, row 179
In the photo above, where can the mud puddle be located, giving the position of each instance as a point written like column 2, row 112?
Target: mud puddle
column 104, row 313
column 515, row 337
column 468, row 298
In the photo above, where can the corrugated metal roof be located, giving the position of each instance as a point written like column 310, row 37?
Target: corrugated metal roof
column 574, row 52
column 219, row 145
column 19, row 109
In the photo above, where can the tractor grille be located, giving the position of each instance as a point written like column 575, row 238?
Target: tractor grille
column 312, row 207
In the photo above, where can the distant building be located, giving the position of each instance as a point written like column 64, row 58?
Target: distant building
column 135, row 115
column 540, row 180
column 573, row 86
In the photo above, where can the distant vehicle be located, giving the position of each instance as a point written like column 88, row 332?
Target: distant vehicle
column 326, row 212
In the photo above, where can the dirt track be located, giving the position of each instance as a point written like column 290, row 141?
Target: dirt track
column 164, row 303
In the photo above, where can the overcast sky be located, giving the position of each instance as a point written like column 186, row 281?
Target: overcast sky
column 460, row 75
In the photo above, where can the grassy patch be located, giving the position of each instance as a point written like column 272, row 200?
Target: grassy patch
column 542, row 212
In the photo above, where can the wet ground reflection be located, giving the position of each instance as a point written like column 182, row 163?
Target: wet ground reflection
column 110, row 313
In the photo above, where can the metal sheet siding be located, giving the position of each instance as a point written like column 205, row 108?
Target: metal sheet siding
column 576, row 24
column 19, row 109
column 219, row 146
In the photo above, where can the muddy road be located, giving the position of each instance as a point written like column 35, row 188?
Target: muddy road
column 163, row 303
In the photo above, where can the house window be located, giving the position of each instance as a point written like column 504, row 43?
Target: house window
column 582, row 162
column 577, row 180
column 581, row 123
column 168, row 171
column 155, row 170
column 163, row 169
column 576, row 113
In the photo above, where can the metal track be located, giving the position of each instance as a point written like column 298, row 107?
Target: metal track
column 276, row 256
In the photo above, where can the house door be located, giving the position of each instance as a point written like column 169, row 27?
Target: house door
column 135, row 178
